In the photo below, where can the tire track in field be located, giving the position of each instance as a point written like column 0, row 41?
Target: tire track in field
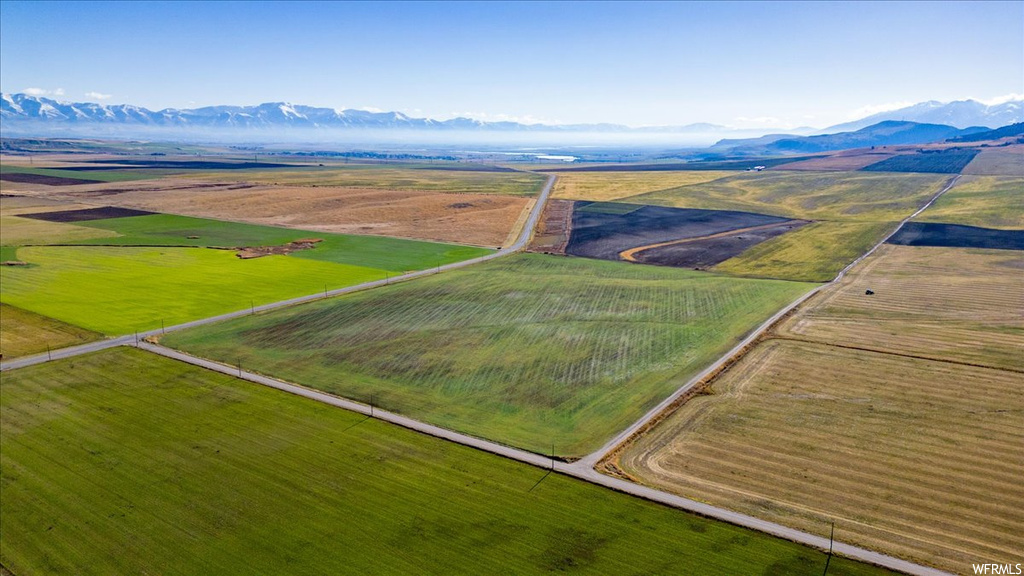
column 629, row 255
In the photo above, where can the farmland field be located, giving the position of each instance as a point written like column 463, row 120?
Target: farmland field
column 1004, row 160
column 944, row 161
column 122, row 462
column 117, row 290
column 23, row 333
column 856, row 196
column 466, row 218
column 518, row 350
column 609, row 186
column 985, row 201
column 391, row 254
column 953, row 304
column 957, row 236
column 813, row 253
column 374, row 176
column 882, row 412
column 615, row 230
column 58, row 174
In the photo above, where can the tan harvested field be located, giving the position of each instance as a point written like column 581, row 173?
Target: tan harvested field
column 956, row 304
column 897, row 415
column 610, row 186
column 391, row 177
column 986, row 201
column 915, row 458
column 1002, row 161
column 847, row 160
column 477, row 219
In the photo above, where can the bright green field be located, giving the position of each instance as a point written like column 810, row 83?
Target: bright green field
column 985, row 201
column 529, row 350
column 119, row 290
column 391, row 254
column 123, row 462
column 814, row 253
column 860, row 196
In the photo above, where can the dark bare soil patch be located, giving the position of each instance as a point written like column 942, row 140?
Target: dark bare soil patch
column 87, row 214
column 947, row 161
column 956, row 236
column 605, row 230
column 706, row 252
column 24, row 178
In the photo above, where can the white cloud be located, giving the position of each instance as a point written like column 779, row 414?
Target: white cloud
column 43, row 92
column 372, row 109
column 1001, row 99
column 98, row 96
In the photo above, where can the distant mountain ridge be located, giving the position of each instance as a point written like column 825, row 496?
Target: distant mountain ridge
column 959, row 114
column 885, row 133
column 22, row 108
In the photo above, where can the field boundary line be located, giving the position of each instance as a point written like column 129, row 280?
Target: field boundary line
column 524, row 239
column 891, row 353
column 586, row 474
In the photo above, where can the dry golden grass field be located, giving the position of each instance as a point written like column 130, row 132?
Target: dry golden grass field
column 477, row 219
column 611, row 186
column 897, row 415
column 1004, row 160
column 842, row 161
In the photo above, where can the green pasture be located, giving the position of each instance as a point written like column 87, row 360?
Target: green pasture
column 118, row 290
column 122, row 462
column 985, row 201
column 813, row 253
column 390, row 254
column 530, row 350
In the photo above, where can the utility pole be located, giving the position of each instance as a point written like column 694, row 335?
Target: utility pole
column 162, row 329
column 252, row 307
column 48, row 357
column 239, row 367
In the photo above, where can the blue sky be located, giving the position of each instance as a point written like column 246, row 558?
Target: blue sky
column 742, row 64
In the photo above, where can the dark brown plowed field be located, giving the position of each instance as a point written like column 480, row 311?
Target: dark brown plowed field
column 956, row 236
column 87, row 214
column 706, row 252
column 44, row 180
column 604, row 230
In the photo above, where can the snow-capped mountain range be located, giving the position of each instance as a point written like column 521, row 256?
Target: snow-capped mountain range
column 25, row 114
column 959, row 114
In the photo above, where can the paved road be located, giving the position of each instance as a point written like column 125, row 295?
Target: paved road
column 582, row 469
column 524, row 238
